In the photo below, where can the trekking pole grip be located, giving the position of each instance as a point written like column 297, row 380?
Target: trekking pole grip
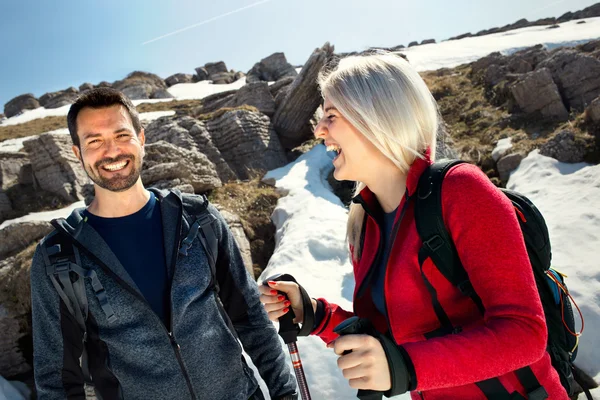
column 354, row 326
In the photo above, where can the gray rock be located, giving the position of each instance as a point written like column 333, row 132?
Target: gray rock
column 19, row 235
column 15, row 308
column 143, row 85
column 104, row 84
column 533, row 55
column 280, row 84
column 271, row 68
column 60, row 98
column 564, row 147
column 412, row 44
column 179, row 78
column 577, row 76
column 235, row 225
column 26, row 176
column 301, row 100
column 55, row 167
column 2, row 116
column 19, row 104
column 215, row 68
column 85, row 86
column 592, row 113
column 519, row 65
column 189, row 134
column 508, row 164
column 537, row 92
column 255, row 94
column 215, row 101
column 5, row 205
column 247, row 142
column 222, row 78
column 553, row 26
column 10, row 166
column 494, row 74
column 428, row 41
column 201, row 74
column 491, row 59
column 166, row 162
column 238, row 75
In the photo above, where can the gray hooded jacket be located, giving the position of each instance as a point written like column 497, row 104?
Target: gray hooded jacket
column 137, row 357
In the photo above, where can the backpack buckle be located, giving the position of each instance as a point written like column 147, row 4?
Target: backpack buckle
column 434, row 243
column 63, row 266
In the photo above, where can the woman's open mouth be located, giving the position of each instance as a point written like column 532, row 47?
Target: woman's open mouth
column 336, row 148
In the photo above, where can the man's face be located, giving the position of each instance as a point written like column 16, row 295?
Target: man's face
column 110, row 150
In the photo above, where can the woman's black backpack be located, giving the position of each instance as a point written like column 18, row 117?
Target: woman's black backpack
column 437, row 244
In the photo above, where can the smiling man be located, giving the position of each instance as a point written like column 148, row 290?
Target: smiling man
column 126, row 297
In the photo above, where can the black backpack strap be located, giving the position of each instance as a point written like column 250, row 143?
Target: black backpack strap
column 201, row 221
column 437, row 242
column 62, row 258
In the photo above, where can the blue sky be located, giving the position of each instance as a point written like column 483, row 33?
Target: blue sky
column 51, row 45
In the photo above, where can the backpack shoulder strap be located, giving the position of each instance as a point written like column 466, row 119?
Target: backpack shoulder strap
column 437, row 242
column 200, row 220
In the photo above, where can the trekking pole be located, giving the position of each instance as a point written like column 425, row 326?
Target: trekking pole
column 289, row 332
column 353, row 326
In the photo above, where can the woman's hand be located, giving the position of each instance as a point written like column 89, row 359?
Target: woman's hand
column 366, row 367
column 277, row 305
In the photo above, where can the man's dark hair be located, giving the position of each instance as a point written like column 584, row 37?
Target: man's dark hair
column 100, row 98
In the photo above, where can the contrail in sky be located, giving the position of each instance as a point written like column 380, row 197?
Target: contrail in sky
column 258, row 3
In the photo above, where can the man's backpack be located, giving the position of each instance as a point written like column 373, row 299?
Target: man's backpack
column 63, row 267
column 437, row 244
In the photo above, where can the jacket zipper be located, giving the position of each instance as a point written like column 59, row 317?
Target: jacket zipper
column 108, row 271
column 174, row 343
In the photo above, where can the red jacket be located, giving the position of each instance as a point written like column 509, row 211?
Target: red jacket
column 511, row 334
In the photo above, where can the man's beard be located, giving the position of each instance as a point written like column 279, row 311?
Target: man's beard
column 118, row 182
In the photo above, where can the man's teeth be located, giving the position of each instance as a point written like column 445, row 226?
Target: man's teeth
column 114, row 167
column 335, row 148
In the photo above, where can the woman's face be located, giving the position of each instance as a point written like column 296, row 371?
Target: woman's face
column 357, row 158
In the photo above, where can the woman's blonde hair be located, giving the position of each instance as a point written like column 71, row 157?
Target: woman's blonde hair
column 383, row 97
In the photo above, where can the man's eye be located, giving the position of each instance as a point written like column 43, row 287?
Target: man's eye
column 123, row 135
column 95, row 141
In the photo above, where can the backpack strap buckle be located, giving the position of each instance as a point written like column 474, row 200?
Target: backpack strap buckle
column 434, row 243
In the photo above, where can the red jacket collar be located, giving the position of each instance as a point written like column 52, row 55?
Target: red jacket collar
column 412, row 180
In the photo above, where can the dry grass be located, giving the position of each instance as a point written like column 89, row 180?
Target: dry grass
column 34, row 127
column 254, row 202
column 475, row 121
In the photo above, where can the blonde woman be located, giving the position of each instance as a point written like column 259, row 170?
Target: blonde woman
column 382, row 120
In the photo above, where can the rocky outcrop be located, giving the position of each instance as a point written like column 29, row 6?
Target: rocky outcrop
column 19, row 104
column 276, row 87
column 143, row 85
column 15, row 309
column 577, row 76
column 589, row 12
column 166, row 165
column 235, row 225
column 55, row 167
column 59, row 99
column 190, row 134
column 217, row 72
column 270, row 69
column 428, row 41
column 247, row 142
column 179, row 78
column 10, row 167
column 565, row 147
column 104, row 84
column 17, row 236
column 508, row 164
column 537, row 92
column 85, row 86
column 255, row 94
column 485, row 62
column 293, row 115
column 201, row 74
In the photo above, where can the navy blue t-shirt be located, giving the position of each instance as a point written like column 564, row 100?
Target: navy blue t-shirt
column 377, row 290
column 137, row 241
